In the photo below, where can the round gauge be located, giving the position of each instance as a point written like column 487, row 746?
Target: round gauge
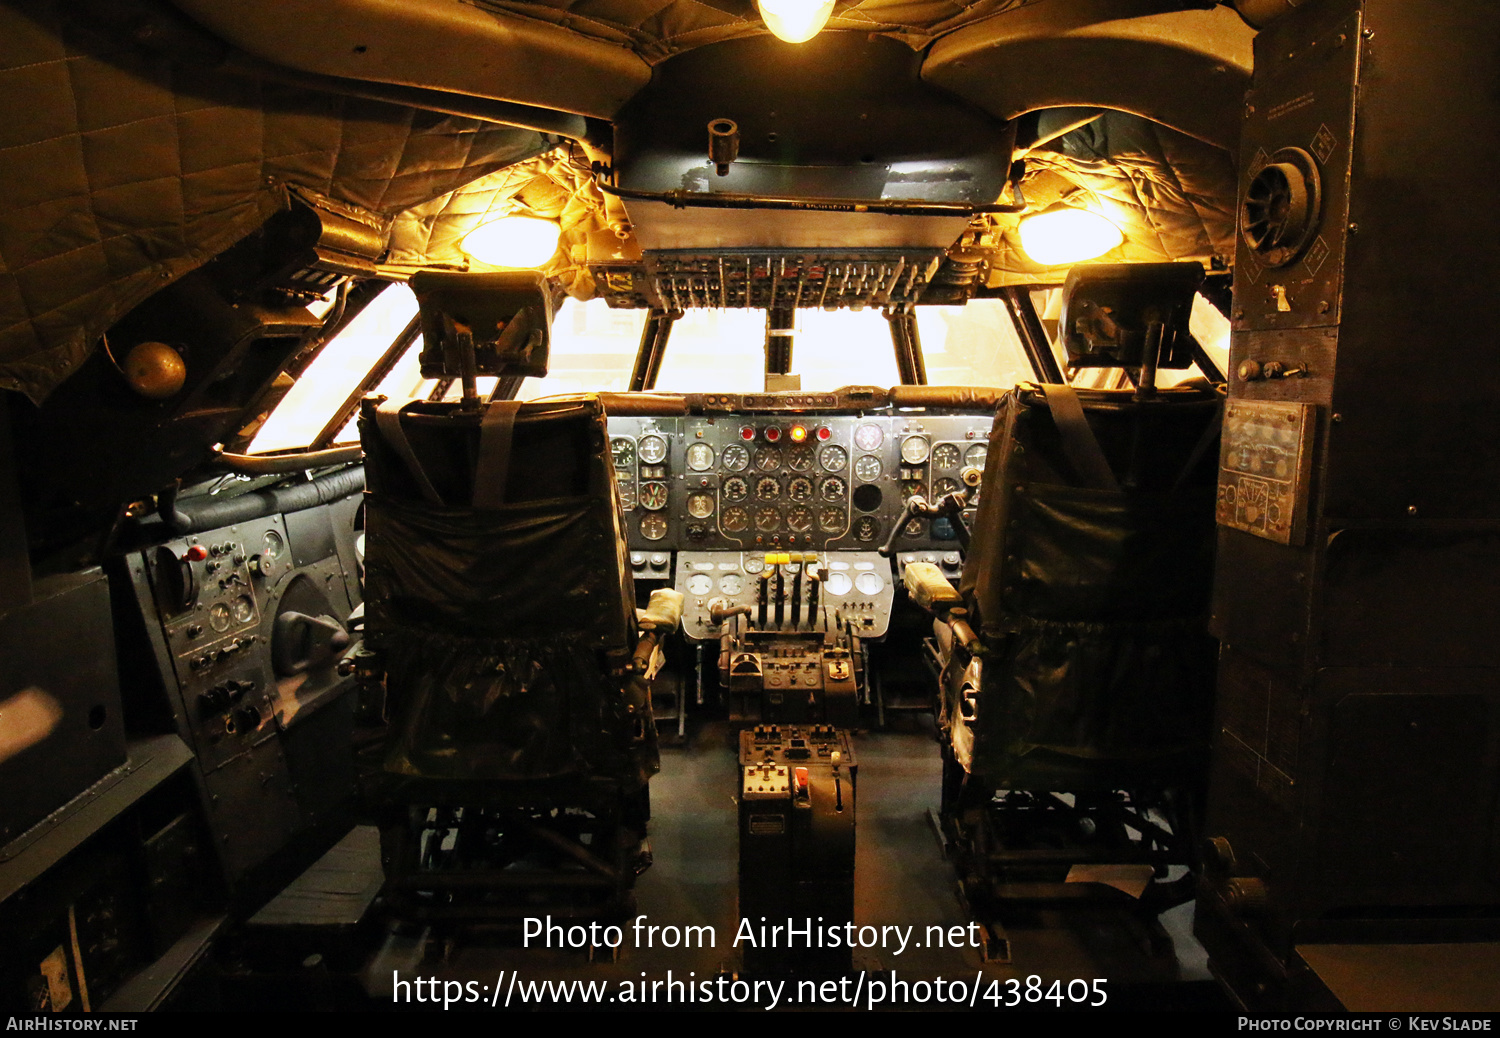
column 830, row 520
column 867, row 468
column 735, row 489
column 732, row 584
column 945, row 486
column 915, row 528
column 700, row 584
column 700, row 506
column 833, row 458
column 244, row 609
column 218, row 617
column 755, row 564
column 627, row 496
column 913, row 488
column 653, row 495
column 767, row 488
column 838, row 584
column 735, row 458
column 946, row 456
column 799, row 518
column 799, row 459
column 734, row 519
column 913, row 449
column 700, row 457
column 653, row 449
column 768, row 459
column 272, row 545
column 800, row 489
column 653, row 527
column 623, row 450
column 767, row 518
column 869, row 583
column 833, row 489
column 976, row 454
column 868, row 437
column 866, row 528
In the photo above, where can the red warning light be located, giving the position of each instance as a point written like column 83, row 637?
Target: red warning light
column 825, row 433
column 196, row 553
column 747, row 433
column 773, row 433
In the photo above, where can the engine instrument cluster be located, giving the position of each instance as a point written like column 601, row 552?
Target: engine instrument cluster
column 748, row 481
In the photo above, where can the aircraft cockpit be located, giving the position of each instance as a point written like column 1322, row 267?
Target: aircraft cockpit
column 598, row 493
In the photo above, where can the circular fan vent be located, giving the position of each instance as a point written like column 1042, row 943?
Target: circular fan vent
column 1280, row 212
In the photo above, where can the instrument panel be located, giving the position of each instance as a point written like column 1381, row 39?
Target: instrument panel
column 824, row 482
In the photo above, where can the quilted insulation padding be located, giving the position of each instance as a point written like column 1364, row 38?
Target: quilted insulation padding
column 657, row 29
column 120, row 171
column 1171, row 195
column 555, row 186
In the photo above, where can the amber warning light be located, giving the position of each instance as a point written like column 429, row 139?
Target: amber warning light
column 798, row 434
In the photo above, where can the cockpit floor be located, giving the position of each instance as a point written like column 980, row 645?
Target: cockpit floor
column 902, row 880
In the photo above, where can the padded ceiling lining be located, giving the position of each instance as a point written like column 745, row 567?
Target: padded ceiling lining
column 554, row 186
column 658, row 29
column 1172, row 195
column 121, row 172
column 1188, row 69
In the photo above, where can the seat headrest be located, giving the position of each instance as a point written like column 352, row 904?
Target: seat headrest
column 507, row 315
column 1109, row 310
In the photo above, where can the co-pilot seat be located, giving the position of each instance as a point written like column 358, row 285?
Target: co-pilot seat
column 1077, row 674
column 520, row 735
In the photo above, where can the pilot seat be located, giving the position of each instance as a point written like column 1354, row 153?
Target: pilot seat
column 1076, row 672
column 500, row 611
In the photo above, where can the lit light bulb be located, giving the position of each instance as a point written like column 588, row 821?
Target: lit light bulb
column 1062, row 234
column 513, row 241
column 795, row 21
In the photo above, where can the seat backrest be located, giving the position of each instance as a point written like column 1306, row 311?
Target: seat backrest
column 1089, row 574
column 1119, row 528
column 498, row 591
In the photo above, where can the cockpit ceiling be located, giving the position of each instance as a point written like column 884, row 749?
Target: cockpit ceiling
column 122, row 171
column 128, row 165
column 658, row 29
column 553, row 186
column 1171, row 195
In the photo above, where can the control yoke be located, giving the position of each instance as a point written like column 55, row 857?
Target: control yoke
column 950, row 506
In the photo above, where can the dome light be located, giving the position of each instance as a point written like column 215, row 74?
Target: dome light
column 513, row 241
column 1061, row 234
column 795, row 21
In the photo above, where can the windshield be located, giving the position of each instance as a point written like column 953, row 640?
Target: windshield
column 594, row 346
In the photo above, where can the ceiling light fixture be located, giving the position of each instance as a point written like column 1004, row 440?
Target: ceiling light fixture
column 1061, row 234
column 795, row 21
column 513, row 241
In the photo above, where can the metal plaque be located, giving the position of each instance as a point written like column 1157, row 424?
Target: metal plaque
column 1264, row 468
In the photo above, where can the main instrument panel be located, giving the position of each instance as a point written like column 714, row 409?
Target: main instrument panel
column 809, row 481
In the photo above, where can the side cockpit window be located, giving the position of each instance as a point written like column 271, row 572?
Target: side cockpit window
column 593, row 348
column 336, row 372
